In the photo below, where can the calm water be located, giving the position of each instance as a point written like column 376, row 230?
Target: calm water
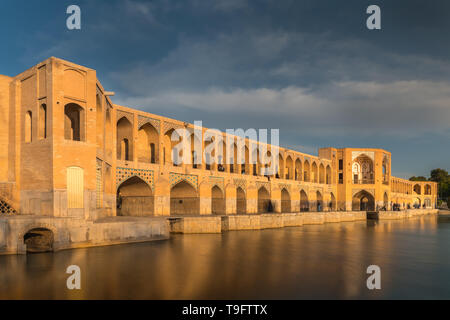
column 323, row 261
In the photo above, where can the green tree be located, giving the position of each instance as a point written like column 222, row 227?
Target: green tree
column 419, row 178
column 442, row 177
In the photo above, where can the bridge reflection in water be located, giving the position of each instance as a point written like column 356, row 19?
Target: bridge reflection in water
column 314, row 261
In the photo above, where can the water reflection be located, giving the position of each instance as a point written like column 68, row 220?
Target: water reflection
column 323, row 261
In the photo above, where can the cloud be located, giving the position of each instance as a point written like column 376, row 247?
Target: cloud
column 143, row 10
column 406, row 108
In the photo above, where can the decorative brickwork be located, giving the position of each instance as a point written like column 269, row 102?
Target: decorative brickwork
column 154, row 122
column 174, row 178
column 123, row 174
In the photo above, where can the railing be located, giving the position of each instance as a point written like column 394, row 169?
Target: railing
column 363, row 181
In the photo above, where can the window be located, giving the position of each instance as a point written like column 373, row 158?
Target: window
column 28, row 126
column 341, row 164
column 152, row 153
column 341, row 178
column 43, row 121
column 74, row 122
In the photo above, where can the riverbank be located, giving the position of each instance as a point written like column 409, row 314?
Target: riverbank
column 70, row 233
column 218, row 224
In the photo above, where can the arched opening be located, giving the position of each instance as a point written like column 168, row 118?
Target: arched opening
column 307, row 172
column 171, row 155
column 39, row 240
column 328, row 178
column 124, row 140
column 99, row 122
column 108, row 133
column 217, row 201
column 245, row 160
column 319, row 201
column 386, row 201
column 333, row 204
column 285, row 201
column 147, row 144
column 264, row 204
column 184, row 199
column 417, row 189
column 196, row 151
column 135, row 198
column 321, row 174
column 266, row 163
column 28, row 126
column 221, row 154
column 385, row 170
column 233, row 158
column 74, row 122
column 416, row 203
column 427, row 189
column 280, row 168
column 314, row 173
column 427, row 203
column 298, row 170
column 209, row 153
column 362, row 169
column 241, row 203
column 363, row 201
column 289, row 171
column 255, row 160
column 43, row 121
column 304, row 202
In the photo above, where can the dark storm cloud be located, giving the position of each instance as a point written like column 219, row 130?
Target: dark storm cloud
column 310, row 68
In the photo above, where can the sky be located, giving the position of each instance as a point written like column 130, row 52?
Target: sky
column 310, row 68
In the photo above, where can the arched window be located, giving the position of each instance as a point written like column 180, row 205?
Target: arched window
column 28, row 126
column 43, row 121
column 152, row 153
column 73, row 122
column 125, row 149
column 99, row 121
column 124, row 139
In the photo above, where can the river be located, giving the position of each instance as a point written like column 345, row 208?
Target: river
column 311, row 262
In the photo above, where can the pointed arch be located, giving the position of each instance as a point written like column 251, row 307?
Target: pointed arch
column 298, row 170
column 314, row 173
column 74, row 122
column 363, row 201
column 217, row 200
column 184, row 199
column 264, row 204
column 135, row 198
column 28, row 126
column 304, row 202
column 333, row 204
column 329, row 179
column 241, row 203
column 289, row 171
column 148, row 144
column 285, row 201
column 124, row 139
column 307, row 171
column 319, row 201
column 321, row 173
